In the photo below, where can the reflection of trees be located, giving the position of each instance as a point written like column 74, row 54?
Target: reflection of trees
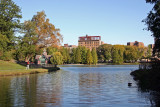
column 89, row 86
column 31, row 90
column 5, row 98
column 49, row 89
column 24, row 90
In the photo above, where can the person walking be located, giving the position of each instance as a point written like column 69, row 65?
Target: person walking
column 27, row 65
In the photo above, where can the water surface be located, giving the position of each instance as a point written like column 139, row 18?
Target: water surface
column 74, row 86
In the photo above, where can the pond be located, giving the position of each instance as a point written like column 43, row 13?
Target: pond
column 74, row 85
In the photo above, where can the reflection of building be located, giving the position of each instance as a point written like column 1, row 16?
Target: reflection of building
column 69, row 46
column 43, row 59
column 136, row 43
column 90, row 41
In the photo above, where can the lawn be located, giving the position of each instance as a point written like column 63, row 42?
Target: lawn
column 9, row 68
column 6, row 65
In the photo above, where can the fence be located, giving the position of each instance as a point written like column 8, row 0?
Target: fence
column 41, row 66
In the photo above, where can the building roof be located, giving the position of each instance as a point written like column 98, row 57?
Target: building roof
column 84, row 38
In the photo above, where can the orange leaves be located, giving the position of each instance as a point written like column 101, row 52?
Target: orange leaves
column 47, row 34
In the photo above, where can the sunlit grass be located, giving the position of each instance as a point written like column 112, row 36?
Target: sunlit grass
column 10, row 68
column 5, row 65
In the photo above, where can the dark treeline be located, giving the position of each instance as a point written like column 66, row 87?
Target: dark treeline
column 149, row 77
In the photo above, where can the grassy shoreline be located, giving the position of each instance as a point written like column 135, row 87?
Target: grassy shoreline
column 12, row 69
column 22, row 72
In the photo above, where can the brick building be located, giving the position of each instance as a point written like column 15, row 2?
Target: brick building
column 69, row 46
column 90, row 41
column 136, row 43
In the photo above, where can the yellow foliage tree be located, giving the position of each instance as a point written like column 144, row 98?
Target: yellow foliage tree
column 46, row 32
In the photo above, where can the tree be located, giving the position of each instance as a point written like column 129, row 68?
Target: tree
column 73, row 55
column 141, row 52
column 51, row 50
column 78, row 55
column 46, row 32
column 83, row 54
column 149, row 51
column 117, row 54
column 104, row 52
column 3, row 44
column 153, row 23
column 57, row 58
column 94, row 56
column 10, row 15
column 130, row 54
column 27, row 45
column 89, row 57
column 65, row 54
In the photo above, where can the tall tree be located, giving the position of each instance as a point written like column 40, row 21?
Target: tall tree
column 83, row 54
column 153, row 23
column 27, row 44
column 78, row 55
column 65, row 54
column 89, row 57
column 73, row 55
column 46, row 32
column 94, row 56
column 10, row 15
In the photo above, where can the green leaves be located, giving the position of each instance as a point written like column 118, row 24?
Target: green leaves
column 10, row 15
column 57, row 58
column 153, row 23
column 94, row 56
column 89, row 57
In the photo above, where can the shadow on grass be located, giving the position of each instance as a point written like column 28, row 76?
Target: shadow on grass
column 50, row 67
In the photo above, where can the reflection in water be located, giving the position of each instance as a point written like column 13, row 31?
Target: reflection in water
column 75, row 86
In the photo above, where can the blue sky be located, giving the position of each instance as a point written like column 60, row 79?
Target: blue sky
column 116, row 21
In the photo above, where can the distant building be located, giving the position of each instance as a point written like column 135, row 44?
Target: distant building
column 90, row 41
column 136, row 43
column 69, row 46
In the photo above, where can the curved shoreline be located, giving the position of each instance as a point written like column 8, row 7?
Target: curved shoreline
column 24, row 72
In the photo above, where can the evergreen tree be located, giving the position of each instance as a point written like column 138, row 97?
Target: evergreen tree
column 78, row 55
column 94, row 56
column 83, row 55
column 73, row 55
column 89, row 57
column 10, row 15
